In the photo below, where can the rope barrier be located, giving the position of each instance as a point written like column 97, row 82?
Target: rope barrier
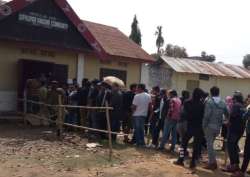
column 67, row 106
column 76, row 126
column 61, row 115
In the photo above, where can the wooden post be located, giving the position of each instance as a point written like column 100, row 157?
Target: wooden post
column 109, row 130
column 25, row 107
column 60, row 118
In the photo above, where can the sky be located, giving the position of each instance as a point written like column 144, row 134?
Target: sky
column 219, row 27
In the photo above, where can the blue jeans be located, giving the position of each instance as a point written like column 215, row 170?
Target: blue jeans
column 138, row 124
column 169, row 127
column 156, row 125
column 71, row 118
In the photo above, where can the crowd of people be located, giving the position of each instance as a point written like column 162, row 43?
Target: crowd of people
column 163, row 114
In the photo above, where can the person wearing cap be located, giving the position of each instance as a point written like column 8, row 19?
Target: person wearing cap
column 103, row 97
column 53, row 99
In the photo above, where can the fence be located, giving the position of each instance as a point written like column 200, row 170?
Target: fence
column 60, row 109
column 61, row 114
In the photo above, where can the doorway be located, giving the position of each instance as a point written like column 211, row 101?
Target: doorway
column 33, row 69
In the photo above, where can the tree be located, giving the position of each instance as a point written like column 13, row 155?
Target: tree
column 175, row 51
column 208, row 58
column 159, row 39
column 135, row 32
column 203, row 54
column 246, row 61
column 204, row 57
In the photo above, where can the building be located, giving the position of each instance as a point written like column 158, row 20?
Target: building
column 47, row 37
column 187, row 74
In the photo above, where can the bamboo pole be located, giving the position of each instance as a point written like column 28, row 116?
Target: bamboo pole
column 109, row 131
column 25, row 108
column 68, row 106
column 60, row 118
column 77, row 126
column 25, row 113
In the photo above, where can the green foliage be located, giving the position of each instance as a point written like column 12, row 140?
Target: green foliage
column 159, row 39
column 135, row 34
column 246, row 61
column 208, row 58
column 175, row 51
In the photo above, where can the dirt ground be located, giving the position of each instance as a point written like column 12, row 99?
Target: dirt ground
column 35, row 152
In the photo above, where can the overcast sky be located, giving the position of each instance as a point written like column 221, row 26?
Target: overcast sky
column 220, row 27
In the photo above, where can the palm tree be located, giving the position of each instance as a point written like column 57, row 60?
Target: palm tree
column 159, row 39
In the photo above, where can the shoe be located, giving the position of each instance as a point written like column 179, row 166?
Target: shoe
column 126, row 141
column 238, row 174
column 192, row 164
column 160, row 148
column 211, row 166
column 151, row 146
column 172, row 149
column 179, row 162
column 132, row 142
column 231, row 168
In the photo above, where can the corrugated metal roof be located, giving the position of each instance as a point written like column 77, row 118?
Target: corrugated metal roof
column 202, row 67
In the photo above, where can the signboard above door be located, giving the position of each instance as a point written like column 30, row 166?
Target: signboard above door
column 41, row 20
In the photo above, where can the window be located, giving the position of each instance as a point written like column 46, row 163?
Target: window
column 204, row 77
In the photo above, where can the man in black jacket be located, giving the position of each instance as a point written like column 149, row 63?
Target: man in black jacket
column 156, row 123
column 127, row 104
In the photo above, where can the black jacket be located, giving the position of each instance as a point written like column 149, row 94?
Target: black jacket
column 237, row 122
column 194, row 112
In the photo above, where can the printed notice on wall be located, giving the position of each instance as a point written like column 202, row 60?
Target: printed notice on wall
column 159, row 76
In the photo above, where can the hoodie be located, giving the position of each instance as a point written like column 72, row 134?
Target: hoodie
column 215, row 109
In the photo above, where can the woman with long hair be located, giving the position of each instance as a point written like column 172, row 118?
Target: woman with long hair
column 193, row 112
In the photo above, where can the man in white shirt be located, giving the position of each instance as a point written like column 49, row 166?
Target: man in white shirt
column 142, row 104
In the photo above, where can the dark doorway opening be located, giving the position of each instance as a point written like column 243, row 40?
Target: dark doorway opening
column 33, row 69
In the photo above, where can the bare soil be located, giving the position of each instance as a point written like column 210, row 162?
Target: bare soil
column 27, row 151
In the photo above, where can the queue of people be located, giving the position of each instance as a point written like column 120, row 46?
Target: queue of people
column 198, row 115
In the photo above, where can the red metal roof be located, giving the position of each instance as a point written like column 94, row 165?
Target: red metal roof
column 116, row 43
column 202, row 67
column 105, row 40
